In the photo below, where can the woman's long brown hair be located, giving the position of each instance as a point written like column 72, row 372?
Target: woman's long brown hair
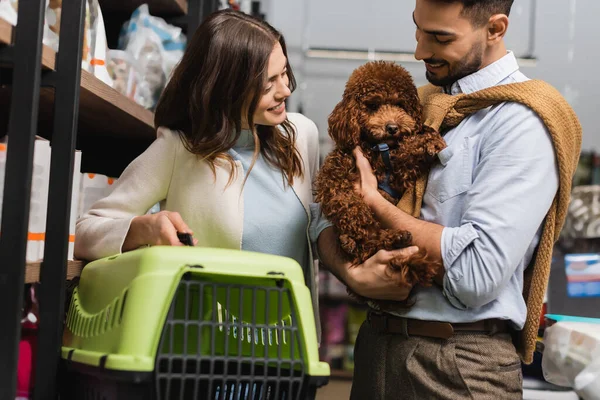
column 221, row 76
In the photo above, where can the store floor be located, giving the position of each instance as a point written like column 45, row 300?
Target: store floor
column 336, row 389
column 340, row 390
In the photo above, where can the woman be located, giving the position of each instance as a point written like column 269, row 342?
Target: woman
column 229, row 164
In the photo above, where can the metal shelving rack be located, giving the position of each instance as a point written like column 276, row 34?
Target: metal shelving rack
column 39, row 89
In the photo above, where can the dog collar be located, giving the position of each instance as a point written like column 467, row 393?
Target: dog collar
column 384, row 150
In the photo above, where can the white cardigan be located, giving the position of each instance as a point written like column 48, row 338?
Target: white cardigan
column 166, row 172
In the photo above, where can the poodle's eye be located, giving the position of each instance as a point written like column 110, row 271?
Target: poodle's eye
column 373, row 106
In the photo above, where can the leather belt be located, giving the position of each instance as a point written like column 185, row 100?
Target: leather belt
column 387, row 323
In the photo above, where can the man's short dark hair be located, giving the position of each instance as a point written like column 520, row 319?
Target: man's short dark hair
column 480, row 11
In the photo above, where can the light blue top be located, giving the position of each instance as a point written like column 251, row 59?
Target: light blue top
column 491, row 190
column 275, row 221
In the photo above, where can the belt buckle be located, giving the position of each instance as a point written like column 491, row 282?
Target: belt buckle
column 446, row 330
column 439, row 330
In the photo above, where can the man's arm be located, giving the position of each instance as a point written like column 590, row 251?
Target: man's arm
column 370, row 279
column 426, row 235
column 330, row 254
column 513, row 186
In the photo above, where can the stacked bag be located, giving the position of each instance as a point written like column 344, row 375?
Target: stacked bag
column 87, row 189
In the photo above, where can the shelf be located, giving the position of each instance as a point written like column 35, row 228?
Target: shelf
column 99, row 103
column 157, row 7
column 6, row 38
column 103, row 111
column 341, row 374
column 32, row 271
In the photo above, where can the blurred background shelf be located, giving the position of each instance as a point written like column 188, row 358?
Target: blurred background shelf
column 32, row 270
column 157, row 7
column 104, row 113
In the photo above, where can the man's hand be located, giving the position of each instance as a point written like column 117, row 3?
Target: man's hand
column 372, row 279
column 367, row 185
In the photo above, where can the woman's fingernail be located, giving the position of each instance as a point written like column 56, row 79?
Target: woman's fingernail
column 413, row 249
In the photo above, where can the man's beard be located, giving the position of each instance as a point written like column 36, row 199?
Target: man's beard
column 466, row 66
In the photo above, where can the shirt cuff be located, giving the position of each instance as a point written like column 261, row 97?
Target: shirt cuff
column 454, row 242
column 318, row 222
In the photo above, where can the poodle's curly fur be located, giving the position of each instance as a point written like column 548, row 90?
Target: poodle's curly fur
column 380, row 104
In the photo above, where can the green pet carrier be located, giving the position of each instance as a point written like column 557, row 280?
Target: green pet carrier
column 191, row 323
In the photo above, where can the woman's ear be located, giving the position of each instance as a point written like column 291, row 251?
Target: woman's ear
column 344, row 128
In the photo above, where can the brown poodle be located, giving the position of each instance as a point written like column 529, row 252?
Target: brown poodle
column 380, row 112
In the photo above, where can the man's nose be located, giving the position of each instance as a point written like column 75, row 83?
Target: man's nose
column 422, row 52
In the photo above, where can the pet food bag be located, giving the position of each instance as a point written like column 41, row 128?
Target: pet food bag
column 157, row 47
column 94, row 187
column 98, row 45
column 8, row 11
column 572, row 356
column 123, row 70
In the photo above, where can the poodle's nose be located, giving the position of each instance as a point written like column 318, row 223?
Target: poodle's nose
column 392, row 129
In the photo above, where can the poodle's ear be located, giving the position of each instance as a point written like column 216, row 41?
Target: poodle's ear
column 434, row 141
column 344, row 127
column 412, row 105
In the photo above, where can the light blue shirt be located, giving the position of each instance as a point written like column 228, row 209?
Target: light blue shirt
column 275, row 221
column 491, row 190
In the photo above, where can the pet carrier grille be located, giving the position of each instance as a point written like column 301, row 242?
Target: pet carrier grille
column 230, row 341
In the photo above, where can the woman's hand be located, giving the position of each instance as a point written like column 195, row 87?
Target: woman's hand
column 372, row 280
column 367, row 185
column 156, row 230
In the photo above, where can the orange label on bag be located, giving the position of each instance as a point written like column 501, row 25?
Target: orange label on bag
column 42, row 237
column 36, row 236
column 97, row 61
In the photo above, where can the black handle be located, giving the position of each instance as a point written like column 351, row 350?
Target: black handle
column 185, row 238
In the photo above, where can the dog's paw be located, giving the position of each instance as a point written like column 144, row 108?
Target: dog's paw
column 421, row 269
column 403, row 239
column 347, row 244
column 391, row 240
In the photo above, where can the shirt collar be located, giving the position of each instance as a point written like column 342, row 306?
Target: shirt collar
column 486, row 77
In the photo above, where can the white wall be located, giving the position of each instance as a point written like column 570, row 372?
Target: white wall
column 562, row 38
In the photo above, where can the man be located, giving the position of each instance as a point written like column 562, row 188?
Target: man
column 481, row 219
